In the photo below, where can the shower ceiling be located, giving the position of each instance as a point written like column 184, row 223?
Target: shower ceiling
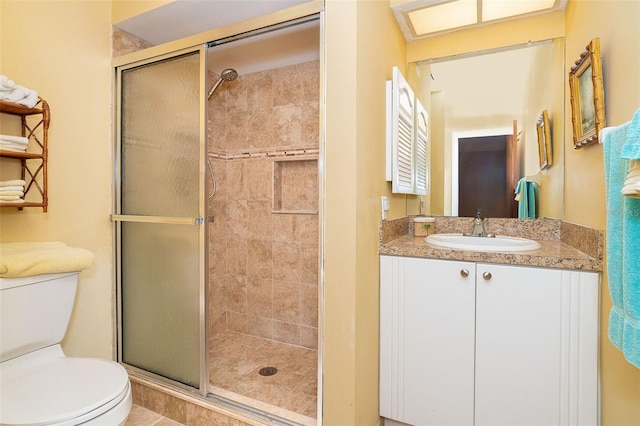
column 183, row 18
column 276, row 49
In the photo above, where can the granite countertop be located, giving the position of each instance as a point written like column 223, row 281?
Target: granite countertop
column 564, row 245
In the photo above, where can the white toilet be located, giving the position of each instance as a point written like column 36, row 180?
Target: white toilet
column 39, row 385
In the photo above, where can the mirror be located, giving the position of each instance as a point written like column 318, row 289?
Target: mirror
column 487, row 92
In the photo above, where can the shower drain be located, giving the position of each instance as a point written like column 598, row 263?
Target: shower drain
column 268, row 371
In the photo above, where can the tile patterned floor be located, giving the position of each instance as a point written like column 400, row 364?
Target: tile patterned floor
column 235, row 362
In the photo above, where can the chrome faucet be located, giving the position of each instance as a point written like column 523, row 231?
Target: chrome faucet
column 478, row 225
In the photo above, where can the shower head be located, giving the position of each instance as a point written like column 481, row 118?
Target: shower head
column 228, row 74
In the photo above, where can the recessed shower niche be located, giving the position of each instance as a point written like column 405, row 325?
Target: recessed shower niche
column 295, row 186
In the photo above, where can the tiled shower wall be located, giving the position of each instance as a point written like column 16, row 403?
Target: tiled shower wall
column 263, row 265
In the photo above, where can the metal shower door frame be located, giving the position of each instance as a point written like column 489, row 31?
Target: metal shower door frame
column 118, row 219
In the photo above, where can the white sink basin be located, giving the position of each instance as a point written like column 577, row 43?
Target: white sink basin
column 497, row 243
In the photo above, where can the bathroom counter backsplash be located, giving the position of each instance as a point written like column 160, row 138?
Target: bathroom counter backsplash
column 564, row 245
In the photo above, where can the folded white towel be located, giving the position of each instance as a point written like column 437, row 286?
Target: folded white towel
column 11, row 188
column 11, row 193
column 15, row 139
column 13, row 144
column 634, row 169
column 11, row 148
column 9, row 197
column 631, row 186
column 13, row 182
column 13, row 201
column 30, row 100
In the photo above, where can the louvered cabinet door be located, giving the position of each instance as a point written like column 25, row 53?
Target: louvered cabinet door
column 403, row 125
column 421, row 150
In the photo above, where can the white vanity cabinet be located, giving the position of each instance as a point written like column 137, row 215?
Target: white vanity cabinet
column 466, row 343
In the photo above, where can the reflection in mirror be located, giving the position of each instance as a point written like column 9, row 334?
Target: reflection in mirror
column 489, row 90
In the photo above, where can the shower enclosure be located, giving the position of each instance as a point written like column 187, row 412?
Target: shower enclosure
column 217, row 220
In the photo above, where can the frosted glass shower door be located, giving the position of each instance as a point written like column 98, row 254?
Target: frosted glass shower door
column 160, row 231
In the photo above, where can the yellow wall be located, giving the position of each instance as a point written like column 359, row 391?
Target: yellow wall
column 616, row 24
column 362, row 44
column 62, row 50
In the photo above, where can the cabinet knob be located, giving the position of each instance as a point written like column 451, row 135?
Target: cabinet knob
column 486, row 275
column 464, row 272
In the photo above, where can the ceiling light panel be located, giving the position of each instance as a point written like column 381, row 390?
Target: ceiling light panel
column 443, row 16
column 498, row 9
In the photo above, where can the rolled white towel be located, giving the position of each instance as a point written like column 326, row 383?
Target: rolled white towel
column 15, row 95
column 16, row 139
column 13, row 182
column 6, row 85
column 11, row 188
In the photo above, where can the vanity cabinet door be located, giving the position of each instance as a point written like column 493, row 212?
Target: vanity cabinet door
column 536, row 346
column 518, row 345
column 427, row 310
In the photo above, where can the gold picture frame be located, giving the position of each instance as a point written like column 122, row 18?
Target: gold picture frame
column 587, row 96
column 543, row 130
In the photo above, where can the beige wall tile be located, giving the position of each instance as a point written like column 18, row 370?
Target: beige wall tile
column 260, row 297
column 236, row 255
column 286, row 301
column 286, row 332
column 309, row 337
column 260, row 326
column 260, row 258
column 309, row 305
column 286, row 261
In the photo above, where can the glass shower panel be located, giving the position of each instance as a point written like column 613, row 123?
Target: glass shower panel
column 159, row 200
column 160, row 138
column 160, row 300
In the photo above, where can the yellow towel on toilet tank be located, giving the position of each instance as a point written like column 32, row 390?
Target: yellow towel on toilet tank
column 27, row 259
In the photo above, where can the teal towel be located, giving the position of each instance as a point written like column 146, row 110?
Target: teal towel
column 527, row 200
column 623, row 238
column 631, row 147
column 532, row 199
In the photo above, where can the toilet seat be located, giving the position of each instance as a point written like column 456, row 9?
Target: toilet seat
column 46, row 388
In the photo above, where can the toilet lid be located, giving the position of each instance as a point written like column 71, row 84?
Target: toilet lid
column 60, row 390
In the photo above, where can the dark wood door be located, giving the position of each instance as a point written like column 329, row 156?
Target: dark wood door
column 485, row 172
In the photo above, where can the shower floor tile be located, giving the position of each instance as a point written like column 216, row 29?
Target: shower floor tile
column 235, row 362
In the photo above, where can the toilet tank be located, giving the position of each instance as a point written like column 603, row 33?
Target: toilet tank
column 34, row 312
